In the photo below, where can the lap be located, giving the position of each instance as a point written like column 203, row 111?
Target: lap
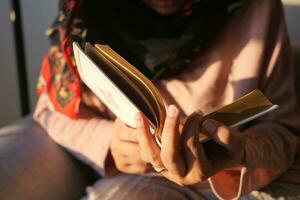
column 135, row 187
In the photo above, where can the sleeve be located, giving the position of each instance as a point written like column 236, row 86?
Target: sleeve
column 273, row 140
column 87, row 138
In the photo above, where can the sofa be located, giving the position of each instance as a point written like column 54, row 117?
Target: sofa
column 33, row 167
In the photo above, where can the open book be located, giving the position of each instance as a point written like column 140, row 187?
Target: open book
column 126, row 91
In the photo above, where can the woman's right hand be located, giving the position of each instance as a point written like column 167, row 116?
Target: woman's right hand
column 125, row 150
column 182, row 158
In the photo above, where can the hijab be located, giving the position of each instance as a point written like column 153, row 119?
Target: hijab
column 125, row 26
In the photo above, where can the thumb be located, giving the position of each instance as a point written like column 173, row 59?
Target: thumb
column 223, row 135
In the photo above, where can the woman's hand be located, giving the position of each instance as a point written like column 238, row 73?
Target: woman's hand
column 125, row 150
column 182, row 157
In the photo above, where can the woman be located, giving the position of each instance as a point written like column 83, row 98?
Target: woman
column 201, row 55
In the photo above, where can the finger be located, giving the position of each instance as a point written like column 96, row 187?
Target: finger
column 128, row 135
column 170, row 154
column 129, row 149
column 136, row 168
column 132, row 160
column 148, row 147
column 127, row 166
column 192, row 148
column 127, row 154
column 223, row 135
column 125, row 133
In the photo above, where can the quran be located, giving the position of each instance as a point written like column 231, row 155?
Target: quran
column 126, row 91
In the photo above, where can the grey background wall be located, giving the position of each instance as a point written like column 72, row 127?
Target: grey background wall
column 37, row 16
column 9, row 98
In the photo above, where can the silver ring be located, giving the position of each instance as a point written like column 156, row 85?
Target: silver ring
column 159, row 169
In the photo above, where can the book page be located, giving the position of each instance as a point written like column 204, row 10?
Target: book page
column 104, row 88
column 123, row 81
column 243, row 110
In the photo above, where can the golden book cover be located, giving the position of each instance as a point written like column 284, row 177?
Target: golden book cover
column 126, row 91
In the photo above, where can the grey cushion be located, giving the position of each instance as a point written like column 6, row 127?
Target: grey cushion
column 33, row 167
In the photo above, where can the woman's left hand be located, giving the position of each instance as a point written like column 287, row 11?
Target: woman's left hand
column 182, row 158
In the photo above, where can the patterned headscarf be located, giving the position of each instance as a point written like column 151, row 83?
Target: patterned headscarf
column 59, row 77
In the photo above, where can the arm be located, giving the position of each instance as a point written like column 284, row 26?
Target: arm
column 94, row 138
column 80, row 136
column 271, row 143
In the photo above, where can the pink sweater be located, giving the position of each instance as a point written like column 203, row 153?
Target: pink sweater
column 252, row 52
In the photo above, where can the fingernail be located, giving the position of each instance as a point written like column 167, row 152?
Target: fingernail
column 209, row 126
column 172, row 110
column 138, row 120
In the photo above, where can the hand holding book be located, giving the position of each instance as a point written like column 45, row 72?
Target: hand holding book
column 181, row 158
